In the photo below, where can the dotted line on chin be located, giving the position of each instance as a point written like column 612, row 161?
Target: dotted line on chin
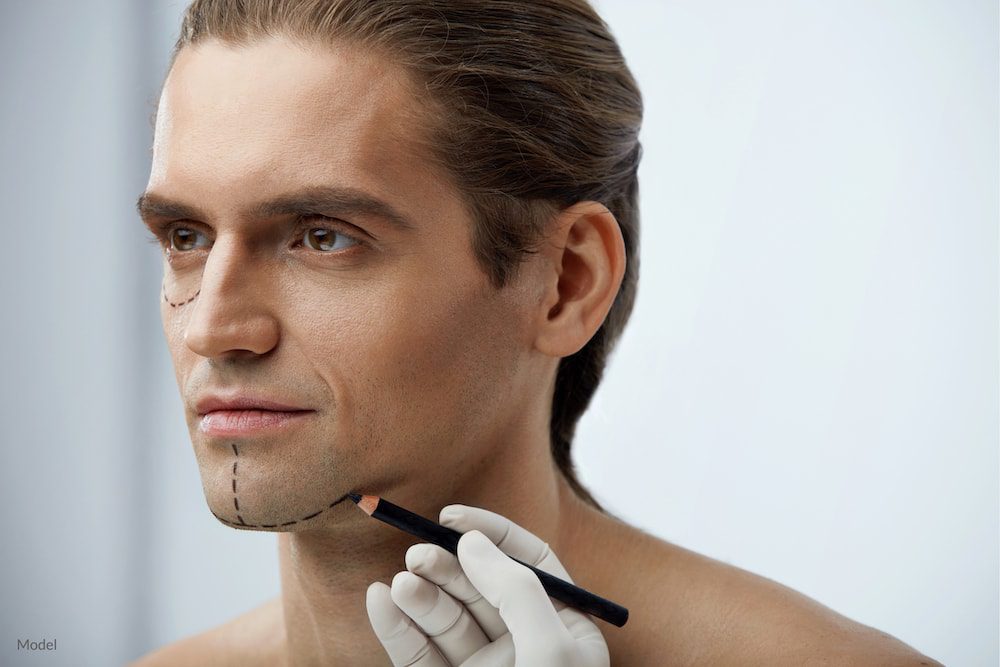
column 236, row 501
column 243, row 524
column 182, row 303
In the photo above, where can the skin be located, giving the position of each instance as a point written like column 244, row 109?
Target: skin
column 428, row 386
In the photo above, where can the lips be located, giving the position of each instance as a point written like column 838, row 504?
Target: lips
column 244, row 415
column 243, row 402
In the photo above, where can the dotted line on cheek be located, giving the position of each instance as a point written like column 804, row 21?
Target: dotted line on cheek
column 236, row 504
column 182, row 303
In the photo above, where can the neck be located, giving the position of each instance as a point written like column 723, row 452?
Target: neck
column 325, row 573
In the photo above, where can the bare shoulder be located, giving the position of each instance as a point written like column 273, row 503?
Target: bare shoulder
column 690, row 609
column 253, row 638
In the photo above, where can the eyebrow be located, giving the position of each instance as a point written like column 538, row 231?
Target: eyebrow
column 307, row 201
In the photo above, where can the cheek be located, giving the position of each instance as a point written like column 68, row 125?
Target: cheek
column 178, row 294
column 174, row 321
column 420, row 361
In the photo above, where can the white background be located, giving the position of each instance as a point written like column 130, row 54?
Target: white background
column 808, row 388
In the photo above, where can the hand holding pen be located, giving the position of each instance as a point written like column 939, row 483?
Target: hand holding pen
column 482, row 607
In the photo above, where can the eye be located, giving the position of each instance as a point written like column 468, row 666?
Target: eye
column 324, row 239
column 183, row 238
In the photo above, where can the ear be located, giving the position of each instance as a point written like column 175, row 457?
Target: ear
column 586, row 263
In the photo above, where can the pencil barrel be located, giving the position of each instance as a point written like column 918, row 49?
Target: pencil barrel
column 416, row 525
column 579, row 598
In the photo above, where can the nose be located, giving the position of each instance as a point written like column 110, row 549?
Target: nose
column 230, row 318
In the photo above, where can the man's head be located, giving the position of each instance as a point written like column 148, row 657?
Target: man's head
column 462, row 285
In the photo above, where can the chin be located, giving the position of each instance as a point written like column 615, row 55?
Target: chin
column 272, row 514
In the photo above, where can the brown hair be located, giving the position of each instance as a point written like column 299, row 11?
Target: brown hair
column 538, row 111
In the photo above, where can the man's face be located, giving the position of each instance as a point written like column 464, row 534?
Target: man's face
column 386, row 332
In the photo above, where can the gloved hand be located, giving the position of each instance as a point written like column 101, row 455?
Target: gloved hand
column 481, row 609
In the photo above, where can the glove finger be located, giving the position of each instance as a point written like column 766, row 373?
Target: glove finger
column 590, row 641
column 441, row 567
column 402, row 640
column 537, row 631
column 446, row 622
column 499, row 653
column 511, row 538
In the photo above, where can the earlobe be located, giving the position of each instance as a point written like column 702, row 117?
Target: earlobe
column 587, row 253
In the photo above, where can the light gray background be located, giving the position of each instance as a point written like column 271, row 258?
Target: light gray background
column 808, row 388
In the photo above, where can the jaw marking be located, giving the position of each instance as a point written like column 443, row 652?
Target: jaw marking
column 240, row 523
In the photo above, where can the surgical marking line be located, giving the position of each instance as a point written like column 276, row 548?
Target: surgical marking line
column 236, row 504
column 182, row 303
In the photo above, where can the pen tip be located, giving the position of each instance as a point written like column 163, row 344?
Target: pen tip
column 355, row 497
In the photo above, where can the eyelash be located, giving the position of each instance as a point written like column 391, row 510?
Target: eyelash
column 161, row 235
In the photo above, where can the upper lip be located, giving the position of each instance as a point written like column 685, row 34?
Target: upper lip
column 212, row 402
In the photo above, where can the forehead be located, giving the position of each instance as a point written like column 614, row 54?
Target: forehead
column 275, row 114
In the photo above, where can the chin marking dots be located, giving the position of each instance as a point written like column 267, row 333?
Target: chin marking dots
column 240, row 523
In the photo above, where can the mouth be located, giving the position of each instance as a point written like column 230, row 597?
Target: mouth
column 244, row 415
column 231, row 423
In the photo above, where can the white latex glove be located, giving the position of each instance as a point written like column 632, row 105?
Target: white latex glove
column 481, row 609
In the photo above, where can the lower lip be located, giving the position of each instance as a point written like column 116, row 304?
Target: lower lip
column 249, row 422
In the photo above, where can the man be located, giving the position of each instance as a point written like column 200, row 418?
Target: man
column 400, row 239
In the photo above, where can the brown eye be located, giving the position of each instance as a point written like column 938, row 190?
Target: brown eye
column 182, row 238
column 324, row 240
